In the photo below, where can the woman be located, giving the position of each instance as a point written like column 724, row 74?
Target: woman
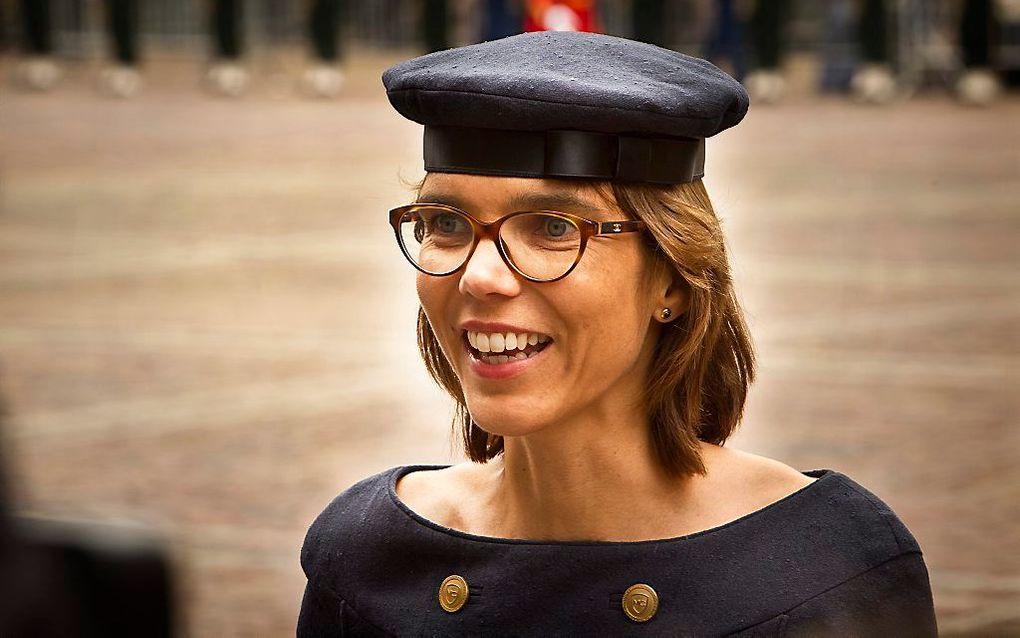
column 577, row 305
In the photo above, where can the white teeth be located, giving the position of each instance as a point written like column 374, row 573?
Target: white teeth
column 520, row 356
column 508, row 342
column 496, row 343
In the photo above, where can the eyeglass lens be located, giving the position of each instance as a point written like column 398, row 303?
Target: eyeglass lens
column 540, row 245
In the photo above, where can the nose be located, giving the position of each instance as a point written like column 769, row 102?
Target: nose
column 485, row 273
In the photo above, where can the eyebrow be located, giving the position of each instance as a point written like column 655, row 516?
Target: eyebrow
column 556, row 200
column 440, row 197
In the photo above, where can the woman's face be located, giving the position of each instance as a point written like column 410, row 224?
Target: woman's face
column 590, row 336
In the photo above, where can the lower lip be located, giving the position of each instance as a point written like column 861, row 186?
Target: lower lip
column 501, row 371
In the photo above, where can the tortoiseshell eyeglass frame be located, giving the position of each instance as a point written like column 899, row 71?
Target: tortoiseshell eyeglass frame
column 490, row 230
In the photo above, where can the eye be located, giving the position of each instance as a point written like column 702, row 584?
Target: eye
column 556, row 227
column 448, row 223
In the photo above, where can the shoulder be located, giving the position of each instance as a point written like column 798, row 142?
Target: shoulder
column 843, row 547
column 852, row 551
column 861, row 510
column 345, row 519
column 846, row 515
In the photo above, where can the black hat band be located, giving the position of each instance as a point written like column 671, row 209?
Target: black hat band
column 658, row 160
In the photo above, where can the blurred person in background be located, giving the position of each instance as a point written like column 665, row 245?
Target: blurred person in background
column 975, row 25
column 860, row 36
column 865, row 50
column 40, row 69
column 322, row 76
column 577, row 304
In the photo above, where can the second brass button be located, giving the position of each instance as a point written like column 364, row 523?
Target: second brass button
column 640, row 602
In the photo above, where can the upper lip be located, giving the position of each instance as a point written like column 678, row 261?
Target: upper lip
column 474, row 325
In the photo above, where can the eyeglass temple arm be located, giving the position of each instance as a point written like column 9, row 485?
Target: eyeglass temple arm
column 615, row 228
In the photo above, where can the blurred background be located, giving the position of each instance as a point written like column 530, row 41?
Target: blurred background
column 207, row 330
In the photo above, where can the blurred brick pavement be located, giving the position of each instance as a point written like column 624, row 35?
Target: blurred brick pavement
column 205, row 326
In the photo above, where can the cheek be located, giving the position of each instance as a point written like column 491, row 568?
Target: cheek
column 621, row 281
column 613, row 314
column 434, row 294
column 430, row 298
column 421, row 284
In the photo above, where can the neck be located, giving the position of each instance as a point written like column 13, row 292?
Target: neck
column 591, row 479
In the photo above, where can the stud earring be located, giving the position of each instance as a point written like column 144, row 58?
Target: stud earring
column 665, row 314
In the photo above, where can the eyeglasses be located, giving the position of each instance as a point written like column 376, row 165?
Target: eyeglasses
column 540, row 246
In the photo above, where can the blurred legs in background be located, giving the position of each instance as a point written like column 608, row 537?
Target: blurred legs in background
column 436, row 28
column 877, row 50
column 647, row 16
column 839, row 50
column 765, row 83
column 39, row 70
column 725, row 43
column 226, row 74
column 502, row 19
column 123, row 78
column 978, row 85
column 324, row 78
column 873, row 81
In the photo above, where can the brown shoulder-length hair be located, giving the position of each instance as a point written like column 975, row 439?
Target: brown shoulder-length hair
column 704, row 359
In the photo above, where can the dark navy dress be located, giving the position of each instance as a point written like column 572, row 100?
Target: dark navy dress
column 828, row 560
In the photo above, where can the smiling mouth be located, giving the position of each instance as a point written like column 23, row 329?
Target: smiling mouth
column 497, row 348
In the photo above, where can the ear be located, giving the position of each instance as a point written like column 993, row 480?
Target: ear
column 675, row 296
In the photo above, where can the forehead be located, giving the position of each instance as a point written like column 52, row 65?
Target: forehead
column 485, row 194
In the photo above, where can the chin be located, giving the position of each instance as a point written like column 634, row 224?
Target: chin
column 507, row 417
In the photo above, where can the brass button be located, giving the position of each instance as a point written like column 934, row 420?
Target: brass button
column 453, row 593
column 640, row 602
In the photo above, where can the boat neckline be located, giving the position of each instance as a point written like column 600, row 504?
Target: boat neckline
column 395, row 474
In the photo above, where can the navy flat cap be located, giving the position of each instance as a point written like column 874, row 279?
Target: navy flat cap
column 564, row 104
